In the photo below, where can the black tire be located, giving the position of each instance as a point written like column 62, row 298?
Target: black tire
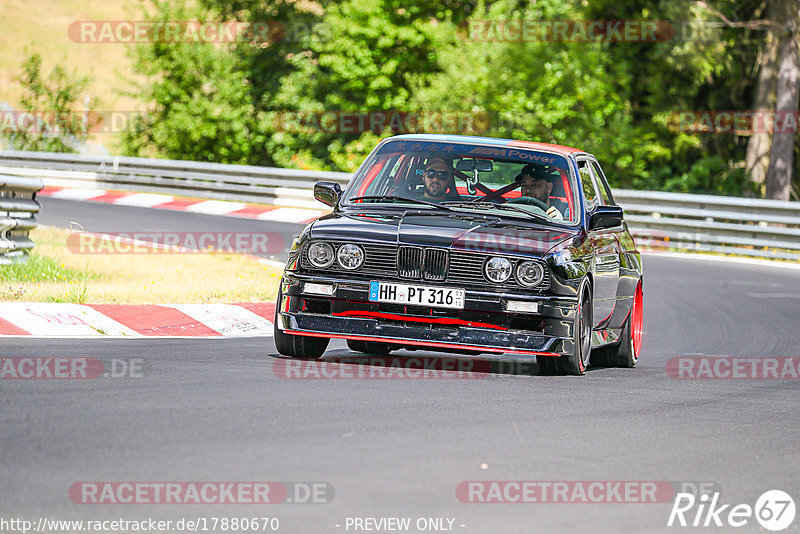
column 604, row 356
column 622, row 355
column 577, row 362
column 369, row 347
column 546, row 364
column 300, row 347
column 616, row 354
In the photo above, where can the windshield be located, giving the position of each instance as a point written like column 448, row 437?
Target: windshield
column 508, row 181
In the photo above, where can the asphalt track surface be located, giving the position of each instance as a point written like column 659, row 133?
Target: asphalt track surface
column 214, row 410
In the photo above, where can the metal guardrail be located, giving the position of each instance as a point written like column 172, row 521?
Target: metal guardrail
column 708, row 223
column 17, row 208
column 752, row 227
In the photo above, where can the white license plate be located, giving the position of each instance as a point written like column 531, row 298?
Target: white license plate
column 413, row 295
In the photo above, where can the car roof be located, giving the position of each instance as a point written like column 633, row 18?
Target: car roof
column 442, row 138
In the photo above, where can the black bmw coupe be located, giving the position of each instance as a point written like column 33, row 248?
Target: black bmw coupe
column 468, row 245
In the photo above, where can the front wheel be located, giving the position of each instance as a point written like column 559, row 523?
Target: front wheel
column 295, row 346
column 577, row 362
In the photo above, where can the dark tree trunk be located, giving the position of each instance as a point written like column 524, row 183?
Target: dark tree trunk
column 779, row 174
column 757, row 158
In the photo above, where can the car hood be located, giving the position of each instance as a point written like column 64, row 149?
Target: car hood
column 443, row 229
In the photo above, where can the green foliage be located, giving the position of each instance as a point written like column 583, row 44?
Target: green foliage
column 229, row 102
column 348, row 157
column 199, row 98
column 58, row 126
column 712, row 175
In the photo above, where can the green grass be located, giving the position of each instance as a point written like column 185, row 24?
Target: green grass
column 15, row 279
column 40, row 268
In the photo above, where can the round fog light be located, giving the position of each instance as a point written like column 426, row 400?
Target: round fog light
column 350, row 257
column 497, row 270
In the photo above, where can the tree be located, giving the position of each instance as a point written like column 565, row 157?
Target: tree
column 758, row 146
column 198, row 94
column 781, row 157
column 57, row 125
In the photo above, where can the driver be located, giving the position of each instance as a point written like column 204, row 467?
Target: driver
column 536, row 182
column 436, row 177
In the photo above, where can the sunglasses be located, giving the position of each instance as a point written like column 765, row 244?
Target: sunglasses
column 442, row 175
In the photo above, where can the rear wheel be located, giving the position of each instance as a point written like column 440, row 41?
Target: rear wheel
column 578, row 361
column 630, row 343
column 625, row 352
column 369, row 347
column 301, row 347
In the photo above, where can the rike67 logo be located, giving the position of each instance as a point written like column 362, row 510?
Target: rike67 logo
column 774, row 511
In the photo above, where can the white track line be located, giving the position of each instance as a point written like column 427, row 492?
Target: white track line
column 291, row 215
column 143, row 200
column 215, row 207
column 729, row 259
column 227, row 319
column 77, row 194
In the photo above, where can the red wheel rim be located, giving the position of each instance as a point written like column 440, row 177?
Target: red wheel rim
column 637, row 319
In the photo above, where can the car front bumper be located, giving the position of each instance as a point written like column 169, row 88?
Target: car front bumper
column 483, row 325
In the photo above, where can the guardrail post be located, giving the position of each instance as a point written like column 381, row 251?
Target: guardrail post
column 18, row 206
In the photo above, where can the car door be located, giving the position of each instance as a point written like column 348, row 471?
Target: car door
column 605, row 243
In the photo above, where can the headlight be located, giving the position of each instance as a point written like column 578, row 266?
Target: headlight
column 497, row 270
column 530, row 273
column 320, row 255
column 350, row 257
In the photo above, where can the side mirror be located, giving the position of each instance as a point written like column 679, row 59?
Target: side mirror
column 603, row 217
column 327, row 192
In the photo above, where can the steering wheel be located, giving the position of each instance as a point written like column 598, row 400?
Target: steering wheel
column 531, row 202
